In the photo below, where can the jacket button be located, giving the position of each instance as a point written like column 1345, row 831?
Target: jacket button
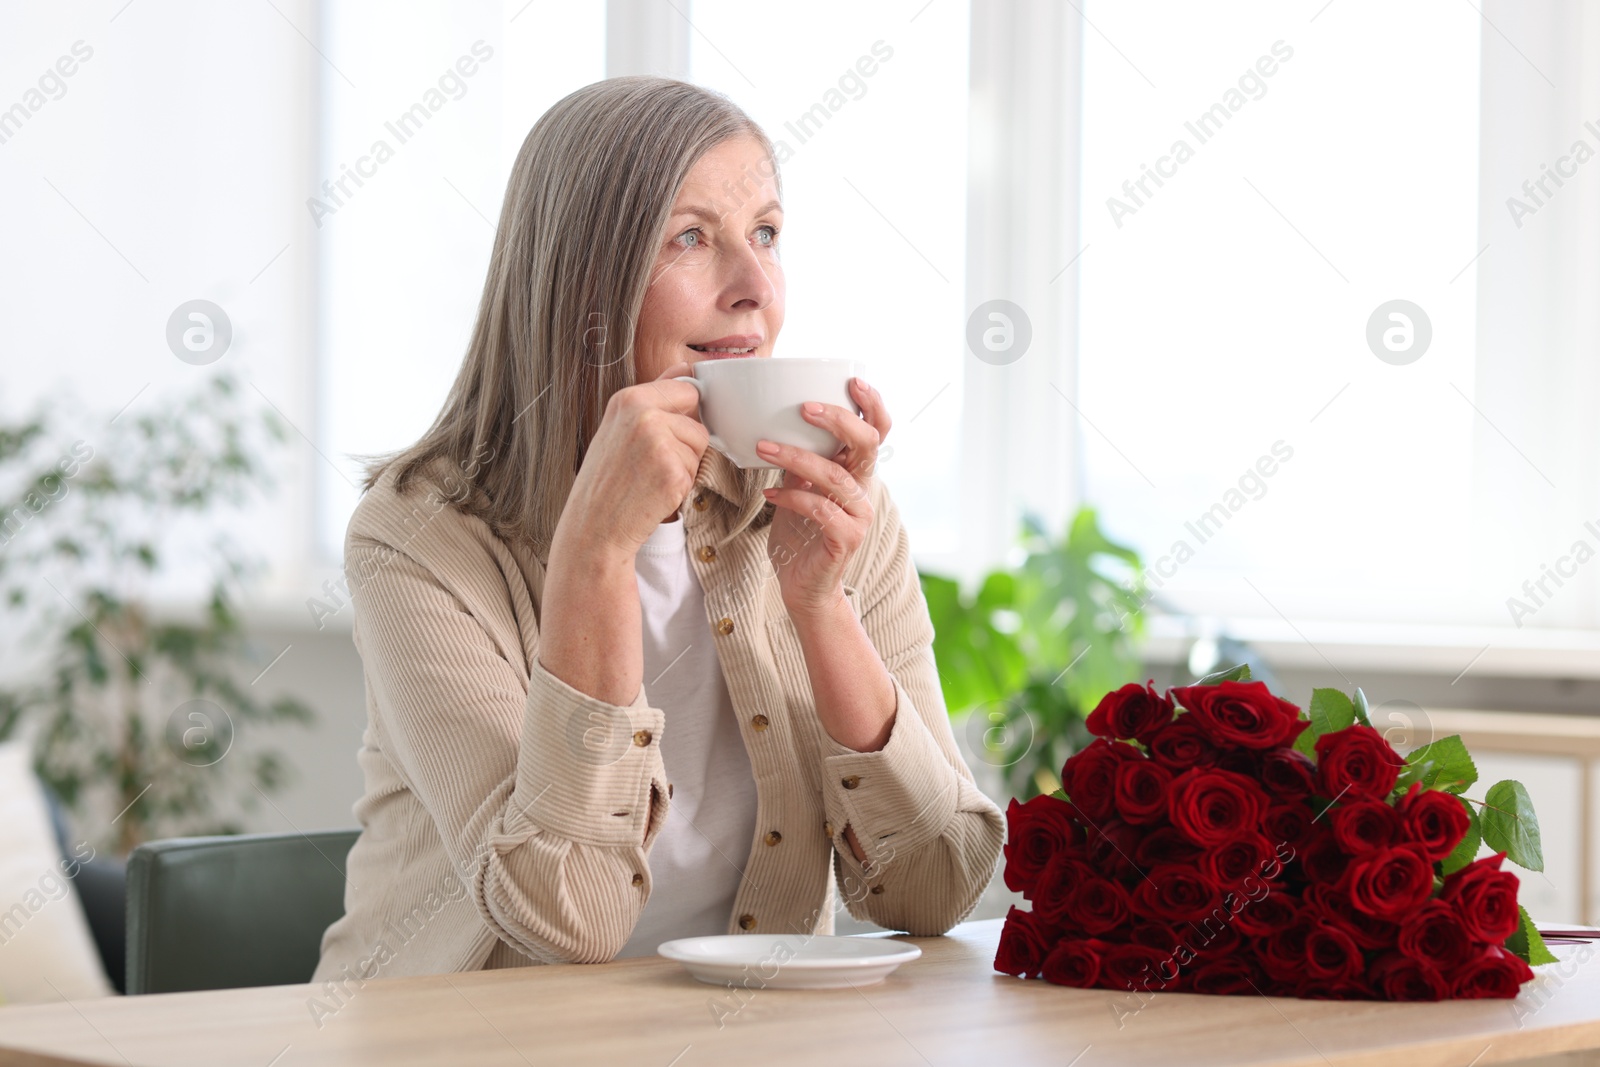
column 638, row 879
column 849, row 782
column 700, row 502
column 827, row 827
column 760, row 722
column 642, row 739
column 877, row 889
column 724, row 626
column 747, row 922
column 773, row 837
column 706, row 553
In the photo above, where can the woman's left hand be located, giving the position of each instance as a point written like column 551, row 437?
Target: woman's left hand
column 824, row 509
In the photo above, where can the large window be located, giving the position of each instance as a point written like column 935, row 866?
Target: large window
column 868, row 105
column 405, row 251
column 868, row 112
column 1261, row 186
column 1322, row 376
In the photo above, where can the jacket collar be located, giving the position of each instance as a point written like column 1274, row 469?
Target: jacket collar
column 718, row 474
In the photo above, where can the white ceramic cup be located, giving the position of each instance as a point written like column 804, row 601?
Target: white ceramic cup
column 758, row 398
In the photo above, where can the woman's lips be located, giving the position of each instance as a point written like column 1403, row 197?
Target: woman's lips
column 734, row 346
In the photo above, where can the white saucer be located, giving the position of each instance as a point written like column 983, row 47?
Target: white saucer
column 789, row 961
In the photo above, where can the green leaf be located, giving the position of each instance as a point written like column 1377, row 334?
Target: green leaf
column 1413, row 774
column 1527, row 942
column 978, row 664
column 1330, row 711
column 1241, row 673
column 1059, row 794
column 1362, row 711
column 1467, row 850
column 1510, row 825
column 1453, row 769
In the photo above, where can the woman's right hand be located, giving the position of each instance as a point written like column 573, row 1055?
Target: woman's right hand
column 640, row 465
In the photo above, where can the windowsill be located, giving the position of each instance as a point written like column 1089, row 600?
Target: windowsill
column 1484, row 651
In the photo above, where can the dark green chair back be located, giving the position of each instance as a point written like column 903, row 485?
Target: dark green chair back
column 226, row 912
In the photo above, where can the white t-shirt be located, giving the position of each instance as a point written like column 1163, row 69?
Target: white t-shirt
column 697, row 859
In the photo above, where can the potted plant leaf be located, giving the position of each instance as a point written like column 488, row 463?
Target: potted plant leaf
column 1026, row 655
column 139, row 718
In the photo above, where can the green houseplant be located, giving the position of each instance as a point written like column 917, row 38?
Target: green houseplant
column 132, row 714
column 1026, row 656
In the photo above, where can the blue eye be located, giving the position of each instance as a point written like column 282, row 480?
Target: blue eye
column 694, row 238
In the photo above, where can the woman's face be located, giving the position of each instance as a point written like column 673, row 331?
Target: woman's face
column 717, row 283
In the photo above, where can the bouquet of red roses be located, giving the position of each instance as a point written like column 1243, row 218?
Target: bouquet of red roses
column 1215, row 839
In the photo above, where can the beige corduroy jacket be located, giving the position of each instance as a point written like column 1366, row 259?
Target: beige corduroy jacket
column 508, row 817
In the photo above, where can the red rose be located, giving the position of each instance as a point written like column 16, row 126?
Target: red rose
column 1288, row 824
column 1141, row 791
column 1491, row 972
column 1176, row 893
column 1241, row 714
column 1356, row 763
column 1401, row 977
column 1227, row 865
column 1051, row 893
column 1434, row 819
column 1035, row 831
column 1074, row 963
column 1239, row 761
column 1089, row 777
column 1323, row 860
column 1216, row 935
column 1146, row 931
column 1435, row 936
column 1165, row 844
column 1228, row 977
column 1485, row 899
column 1283, row 952
column 1357, row 988
column 1391, row 883
column 1181, row 744
column 1332, row 955
column 1287, row 774
column 1333, row 904
column 1111, row 850
column 1213, row 806
column 1098, row 906
column 1364, row 826
column 1134, row 711
column 1129, row 966
column 1266, row 915
column 1024, row 942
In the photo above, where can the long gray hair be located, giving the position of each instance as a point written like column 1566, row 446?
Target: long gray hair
column 585, row 210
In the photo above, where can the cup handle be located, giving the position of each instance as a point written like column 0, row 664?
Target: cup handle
column 700, row 387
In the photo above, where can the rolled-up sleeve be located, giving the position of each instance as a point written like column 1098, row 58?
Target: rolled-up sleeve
column 546, row 799
column 931, row 836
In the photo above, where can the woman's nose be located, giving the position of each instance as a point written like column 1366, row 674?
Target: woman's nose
column 748, row 285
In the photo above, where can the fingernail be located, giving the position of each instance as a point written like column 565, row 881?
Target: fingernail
column 766, row 448
column 812, row 407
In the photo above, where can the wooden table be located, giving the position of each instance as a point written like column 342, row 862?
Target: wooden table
column 949, row 1007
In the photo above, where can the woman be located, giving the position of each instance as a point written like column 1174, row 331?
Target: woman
column 595, row 720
